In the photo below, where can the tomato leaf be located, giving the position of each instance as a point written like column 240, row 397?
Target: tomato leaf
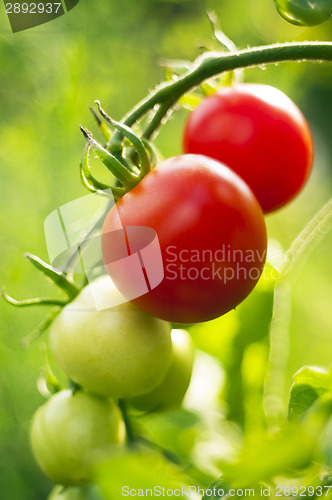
column 138, row 471
column 310, row 383
column 292, row 448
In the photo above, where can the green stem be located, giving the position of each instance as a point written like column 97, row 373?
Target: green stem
column 211, row 64
column 158, row 119
column 70, row 264
column 308, row 239
column 274, row 385
column 131, row 438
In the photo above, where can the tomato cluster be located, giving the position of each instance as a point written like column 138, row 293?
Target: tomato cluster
column 248, row 150
column 195, row 225
column 118, row 352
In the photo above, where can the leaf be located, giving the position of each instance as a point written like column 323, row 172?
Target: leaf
column 292, row 448
column 218, row 488
column 310, row 383
column 141, row 471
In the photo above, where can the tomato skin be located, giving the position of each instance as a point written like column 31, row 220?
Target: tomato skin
column 69, row 429
column 258, row 132
column 170, row 392
column 195, row 205
column 119, row 351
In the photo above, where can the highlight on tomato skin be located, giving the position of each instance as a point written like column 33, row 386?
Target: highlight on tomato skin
column 212, row 237
column 261, row 134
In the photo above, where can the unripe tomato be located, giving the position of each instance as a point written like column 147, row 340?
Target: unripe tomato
column 120, row 351
column 211, row 233
column 305, row 12
column 69, row 430
column 170, row 392
column 259, row 133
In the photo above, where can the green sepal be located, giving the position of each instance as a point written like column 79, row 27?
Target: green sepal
column 115, row 166
column 91, row 183
column 145, row 164
column 106, row 132
column 38, row 301
column 190, row 101
column 58, row 277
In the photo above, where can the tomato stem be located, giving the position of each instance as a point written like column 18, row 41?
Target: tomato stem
column 130, row 436
column 308, row 239
column 212, row 64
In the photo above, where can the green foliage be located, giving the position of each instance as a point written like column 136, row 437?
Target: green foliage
column 309, row 384
column 110, row 51
column 140, row 469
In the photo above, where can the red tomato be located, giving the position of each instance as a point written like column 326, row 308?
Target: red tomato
column 212, row 238
column 258, row 132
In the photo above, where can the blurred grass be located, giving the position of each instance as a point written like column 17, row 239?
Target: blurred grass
column 110, row 50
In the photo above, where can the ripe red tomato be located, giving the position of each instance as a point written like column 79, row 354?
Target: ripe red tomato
column 258, row 132
column 211, row 233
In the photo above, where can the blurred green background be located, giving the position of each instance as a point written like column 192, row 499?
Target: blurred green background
column 110, row 50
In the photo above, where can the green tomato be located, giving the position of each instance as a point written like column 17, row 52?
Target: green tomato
column 170, row 392
column 305, row 12
column 68, row 432
column 119, row 352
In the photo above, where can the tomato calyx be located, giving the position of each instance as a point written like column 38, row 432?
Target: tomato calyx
column 129, row 170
